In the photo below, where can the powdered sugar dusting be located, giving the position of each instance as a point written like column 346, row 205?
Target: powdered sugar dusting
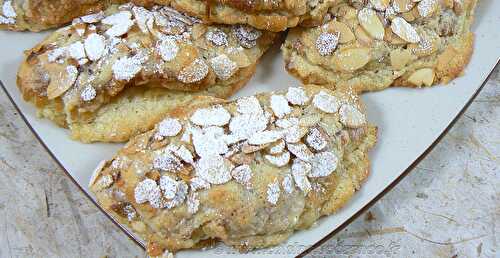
column 297, row 96
column 94, row 46
column 169, row 127
column 194, row 72
column 214, row 169
column 223, row 66
column 316, row 140
column 217, row 37
column 326, row 102
column 217, row 116
column 126, row 68
column 147, row 190
column 88, row 93
column 120, row 23
column 279, row 160
column 8, row 10
column 326, row 43
column 273, row 192
column 168, row 48
column 279, row 105
column 265, row 137
column 323, row 164
column 242, row 174
column 351, row 116
column 168, row 187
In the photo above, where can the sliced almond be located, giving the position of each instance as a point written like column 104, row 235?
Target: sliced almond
column 352, row 59
column 345, row 33
column 369, row 20
column 427, row 7
column 410, row 16
column 350, row 116
column 362, row 36
column 424, row 76
column 380, row 5
column 402, row 6
column 61, row 79
column 404, row 30
column 425, row 47
column 400, row 58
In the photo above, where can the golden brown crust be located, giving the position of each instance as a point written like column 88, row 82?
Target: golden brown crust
column 241, row 213
column 445, row 35
column 37, row 15
column 71, row 86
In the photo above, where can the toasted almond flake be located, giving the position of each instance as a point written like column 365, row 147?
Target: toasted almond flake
column 300, row 151
column 310, row 120
column 142, row 17
column 326, row 102
column 214, row 169
column 249, row 105
column 287, row 122
column 279, row 105
column 65, row 80
column 184, row 153
column 287, row 184
column 277, row 148
column 168, row 48
column 380, row 5
column 216, row 116
column 198, row 183
column 8, row 10
column 120, row 23
column 92, row 18
column 193, row 204
column 242, row 174
column 180, row 196
column 297, row 96
column 326, row 43
column 126, row 68
column 76, row 51
column 168, row 187
column 369, row 20
column 300, row 171
column 209, row 141
column 217, row 37
column 166, row 161
column 55, row 54
column 264, row 137
column 323, row 164
column 352, row 59
column 316, row 140
column 294, row 134
column 404, row 30
column 94, row 46
column 426, row 7
column 246, row 35
column 273, row 192
column 97, row 172
column 279, row 160
column 146, row 190
column 223, row 66
column 194, row 72
column 351, row 116
column 245, row 125
column 88, row 93
column 169, row 127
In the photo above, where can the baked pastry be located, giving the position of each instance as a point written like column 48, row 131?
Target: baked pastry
column 247, row 172
column 37, row 15
column 82, row 75
column 277, row 15
column 372, row 45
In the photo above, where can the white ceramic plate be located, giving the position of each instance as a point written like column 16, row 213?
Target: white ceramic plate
column 410, row 122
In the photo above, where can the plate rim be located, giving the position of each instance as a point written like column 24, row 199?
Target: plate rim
column 317, row 244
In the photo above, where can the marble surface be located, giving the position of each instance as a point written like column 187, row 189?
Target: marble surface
column 449, row 206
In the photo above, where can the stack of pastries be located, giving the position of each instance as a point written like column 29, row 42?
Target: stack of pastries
column 197, row 168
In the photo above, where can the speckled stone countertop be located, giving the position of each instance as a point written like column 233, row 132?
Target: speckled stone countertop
column 449, row 206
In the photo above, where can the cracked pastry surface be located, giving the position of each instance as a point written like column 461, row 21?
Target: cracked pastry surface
column 372, row 45
column 101, row 76
column 276, row 15
column 247, row 172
